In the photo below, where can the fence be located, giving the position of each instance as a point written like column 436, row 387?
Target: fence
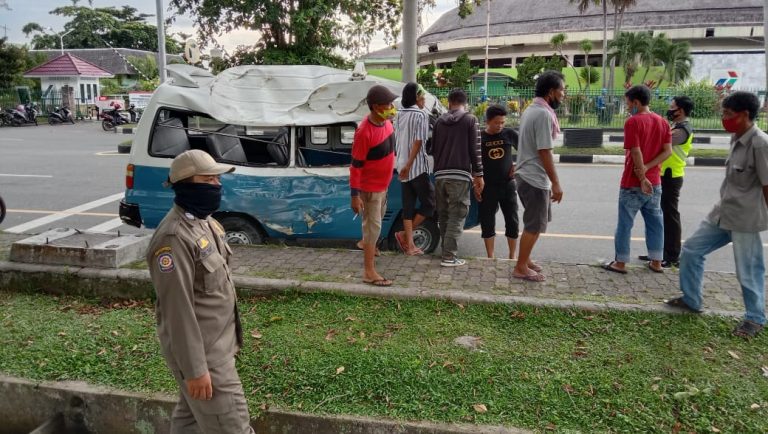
column 595, row 109
column 82, row 107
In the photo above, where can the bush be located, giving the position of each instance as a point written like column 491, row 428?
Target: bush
column 706, row 99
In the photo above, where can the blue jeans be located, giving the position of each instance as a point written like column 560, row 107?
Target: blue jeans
column 632, row 200
column 750, row 267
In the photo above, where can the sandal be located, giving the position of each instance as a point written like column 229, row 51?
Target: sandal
column 680, row 304
column 609, row 267
column 401, row 242
column 378, row 282
column 530, row 277
column 415, row 252
column 747, row 329
column 535, row 267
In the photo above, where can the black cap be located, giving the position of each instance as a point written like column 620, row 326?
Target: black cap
column 380, row 95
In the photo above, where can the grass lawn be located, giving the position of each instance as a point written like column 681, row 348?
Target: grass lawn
column 544, row 369
column 619, row 150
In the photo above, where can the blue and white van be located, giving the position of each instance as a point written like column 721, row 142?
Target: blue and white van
column 289, row 132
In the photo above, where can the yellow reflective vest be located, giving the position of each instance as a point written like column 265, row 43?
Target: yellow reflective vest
column 676, row 161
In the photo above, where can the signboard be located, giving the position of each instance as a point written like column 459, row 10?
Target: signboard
column 724, row 78
column 139, row 99
column 103, row 102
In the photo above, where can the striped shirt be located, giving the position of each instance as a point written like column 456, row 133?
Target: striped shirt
column 411, row 124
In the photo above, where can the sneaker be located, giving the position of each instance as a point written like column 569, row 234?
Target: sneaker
column 670, row 264
column 453, row 262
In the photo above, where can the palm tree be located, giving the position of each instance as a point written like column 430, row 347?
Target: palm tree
column 583, row 5
column 650, row 57
column 628, row 49
column 677, row 60
column 586, row 47
column 557, row 42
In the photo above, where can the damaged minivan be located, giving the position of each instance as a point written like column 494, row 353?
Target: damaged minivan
column 289, row 132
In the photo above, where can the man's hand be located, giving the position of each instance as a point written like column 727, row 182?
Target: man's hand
column 200, row 388
column 478, row 184
column 646, row 186
column 557, row 192
column 512, row 171
column 357, row 204
column 640, row 171
column 403, row 175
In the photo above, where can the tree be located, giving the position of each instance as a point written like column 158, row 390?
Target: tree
column 583, row 5
column 586, row 47
column 460, row 72
column 557, row 43
column 590, row 75
column 426, row 76
column 296, row 31
column 101, row 28
column 535, row 65
column 14, row 61
column 627, row 49
column 677, row 60
column 466, row 7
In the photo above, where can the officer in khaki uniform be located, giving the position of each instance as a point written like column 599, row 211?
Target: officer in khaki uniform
column 197, row 319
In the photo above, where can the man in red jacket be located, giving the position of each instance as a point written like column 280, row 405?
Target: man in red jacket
column 373, row 164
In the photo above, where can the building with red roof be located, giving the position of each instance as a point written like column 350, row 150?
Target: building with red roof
column 70, row 76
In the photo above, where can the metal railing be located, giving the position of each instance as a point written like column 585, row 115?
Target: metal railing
column 82, row 107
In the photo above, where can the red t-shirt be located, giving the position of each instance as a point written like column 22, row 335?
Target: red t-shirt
column 650, row 132
column 373, row 158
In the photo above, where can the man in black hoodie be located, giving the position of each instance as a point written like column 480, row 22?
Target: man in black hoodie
column 458, row 166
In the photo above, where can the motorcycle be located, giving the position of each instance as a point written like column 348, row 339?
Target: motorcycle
column 24, row 114
column 6, row 118
column 111, row 119
column 60, row 116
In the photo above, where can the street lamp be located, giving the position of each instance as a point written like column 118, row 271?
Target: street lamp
column 487, row 41
column 61, row 37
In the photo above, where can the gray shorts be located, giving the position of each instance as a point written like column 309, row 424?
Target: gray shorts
column 538, row 207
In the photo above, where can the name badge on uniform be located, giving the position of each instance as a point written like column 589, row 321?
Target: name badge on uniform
column 206, row 248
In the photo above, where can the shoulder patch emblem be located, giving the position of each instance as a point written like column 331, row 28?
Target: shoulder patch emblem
column 165, row 262
column 162, row 250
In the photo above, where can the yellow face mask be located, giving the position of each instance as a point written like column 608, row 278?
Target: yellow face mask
column 388, row 113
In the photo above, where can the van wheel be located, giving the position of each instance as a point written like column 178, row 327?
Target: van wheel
column 241, row 231
column 426, row 237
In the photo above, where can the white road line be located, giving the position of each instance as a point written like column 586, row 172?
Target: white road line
column 5, row 139
column 25, row 176
column 106, row 226
column 64, row 214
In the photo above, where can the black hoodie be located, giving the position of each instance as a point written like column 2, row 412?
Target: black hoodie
column 456, row 146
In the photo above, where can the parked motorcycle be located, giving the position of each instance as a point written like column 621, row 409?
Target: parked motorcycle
column 5, row 117
column 134, row 113
column 60, row 116
column 24, row 114
column 111, row 119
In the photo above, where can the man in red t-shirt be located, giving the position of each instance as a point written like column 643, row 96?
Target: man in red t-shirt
column 647, row 143
column 373, row 164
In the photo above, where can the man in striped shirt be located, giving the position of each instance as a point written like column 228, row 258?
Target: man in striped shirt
column 411, row 131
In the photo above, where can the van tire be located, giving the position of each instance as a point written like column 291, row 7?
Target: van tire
column 426, row 236
column 241, row 231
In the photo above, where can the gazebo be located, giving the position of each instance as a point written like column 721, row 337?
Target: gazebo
column 68, row 79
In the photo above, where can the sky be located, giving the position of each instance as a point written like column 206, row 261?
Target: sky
column 25, row 11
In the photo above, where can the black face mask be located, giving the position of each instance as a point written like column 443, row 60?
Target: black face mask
column 671, row 114
column 554, row 103
column 201, row 200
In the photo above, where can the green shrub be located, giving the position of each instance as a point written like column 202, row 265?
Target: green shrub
column 706, row 99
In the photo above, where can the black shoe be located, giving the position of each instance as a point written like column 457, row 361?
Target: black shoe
column 644, row 258
column 670, row 264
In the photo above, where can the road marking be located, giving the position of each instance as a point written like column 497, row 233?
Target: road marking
column 109, row 154
column 43, row 211
column 25, row 176
column 10, row 140
column 64, row 214
column 106, row 226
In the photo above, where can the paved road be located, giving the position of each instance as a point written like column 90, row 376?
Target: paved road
column 71, row 176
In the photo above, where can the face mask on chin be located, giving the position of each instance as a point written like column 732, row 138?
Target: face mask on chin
column 388, row 113
column 554, row 103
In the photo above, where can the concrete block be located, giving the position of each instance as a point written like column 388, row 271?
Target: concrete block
column 64, row 246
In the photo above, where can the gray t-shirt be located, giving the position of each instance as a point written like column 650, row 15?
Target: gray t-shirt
column 742, row 206
column 535, row 134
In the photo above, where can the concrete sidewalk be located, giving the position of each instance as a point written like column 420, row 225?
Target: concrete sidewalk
column 481, row 280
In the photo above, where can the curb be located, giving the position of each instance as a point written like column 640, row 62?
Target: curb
column 82, row 407
column 124, row 130
column 619, row 159
column 126, row 283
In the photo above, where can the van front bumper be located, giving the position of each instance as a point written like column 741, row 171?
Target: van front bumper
column 130, row 214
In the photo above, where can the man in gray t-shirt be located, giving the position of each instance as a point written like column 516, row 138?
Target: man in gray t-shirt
column 738, row 218
column 537, row 181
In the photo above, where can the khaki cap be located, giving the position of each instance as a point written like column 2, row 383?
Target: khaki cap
column 196, row 162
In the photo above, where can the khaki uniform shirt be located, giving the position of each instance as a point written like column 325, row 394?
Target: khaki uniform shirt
column 197, row 320
column 742, row 206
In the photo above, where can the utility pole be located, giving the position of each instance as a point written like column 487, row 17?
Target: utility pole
column 765, row 43
column 487, row 42
column 5, row 30
column 160, row 41
column 605, row 40
column 410, row 20
column 61, row 40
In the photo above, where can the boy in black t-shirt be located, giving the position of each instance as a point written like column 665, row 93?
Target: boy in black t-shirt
column 500, row 191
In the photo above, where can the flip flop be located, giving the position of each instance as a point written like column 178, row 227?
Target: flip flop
column 415, row 252
column 530, row 277
column 401, row 242
column 535, row 267
column 609, row 267
column 650, row 267
column 378, row 282
column 680, row 304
